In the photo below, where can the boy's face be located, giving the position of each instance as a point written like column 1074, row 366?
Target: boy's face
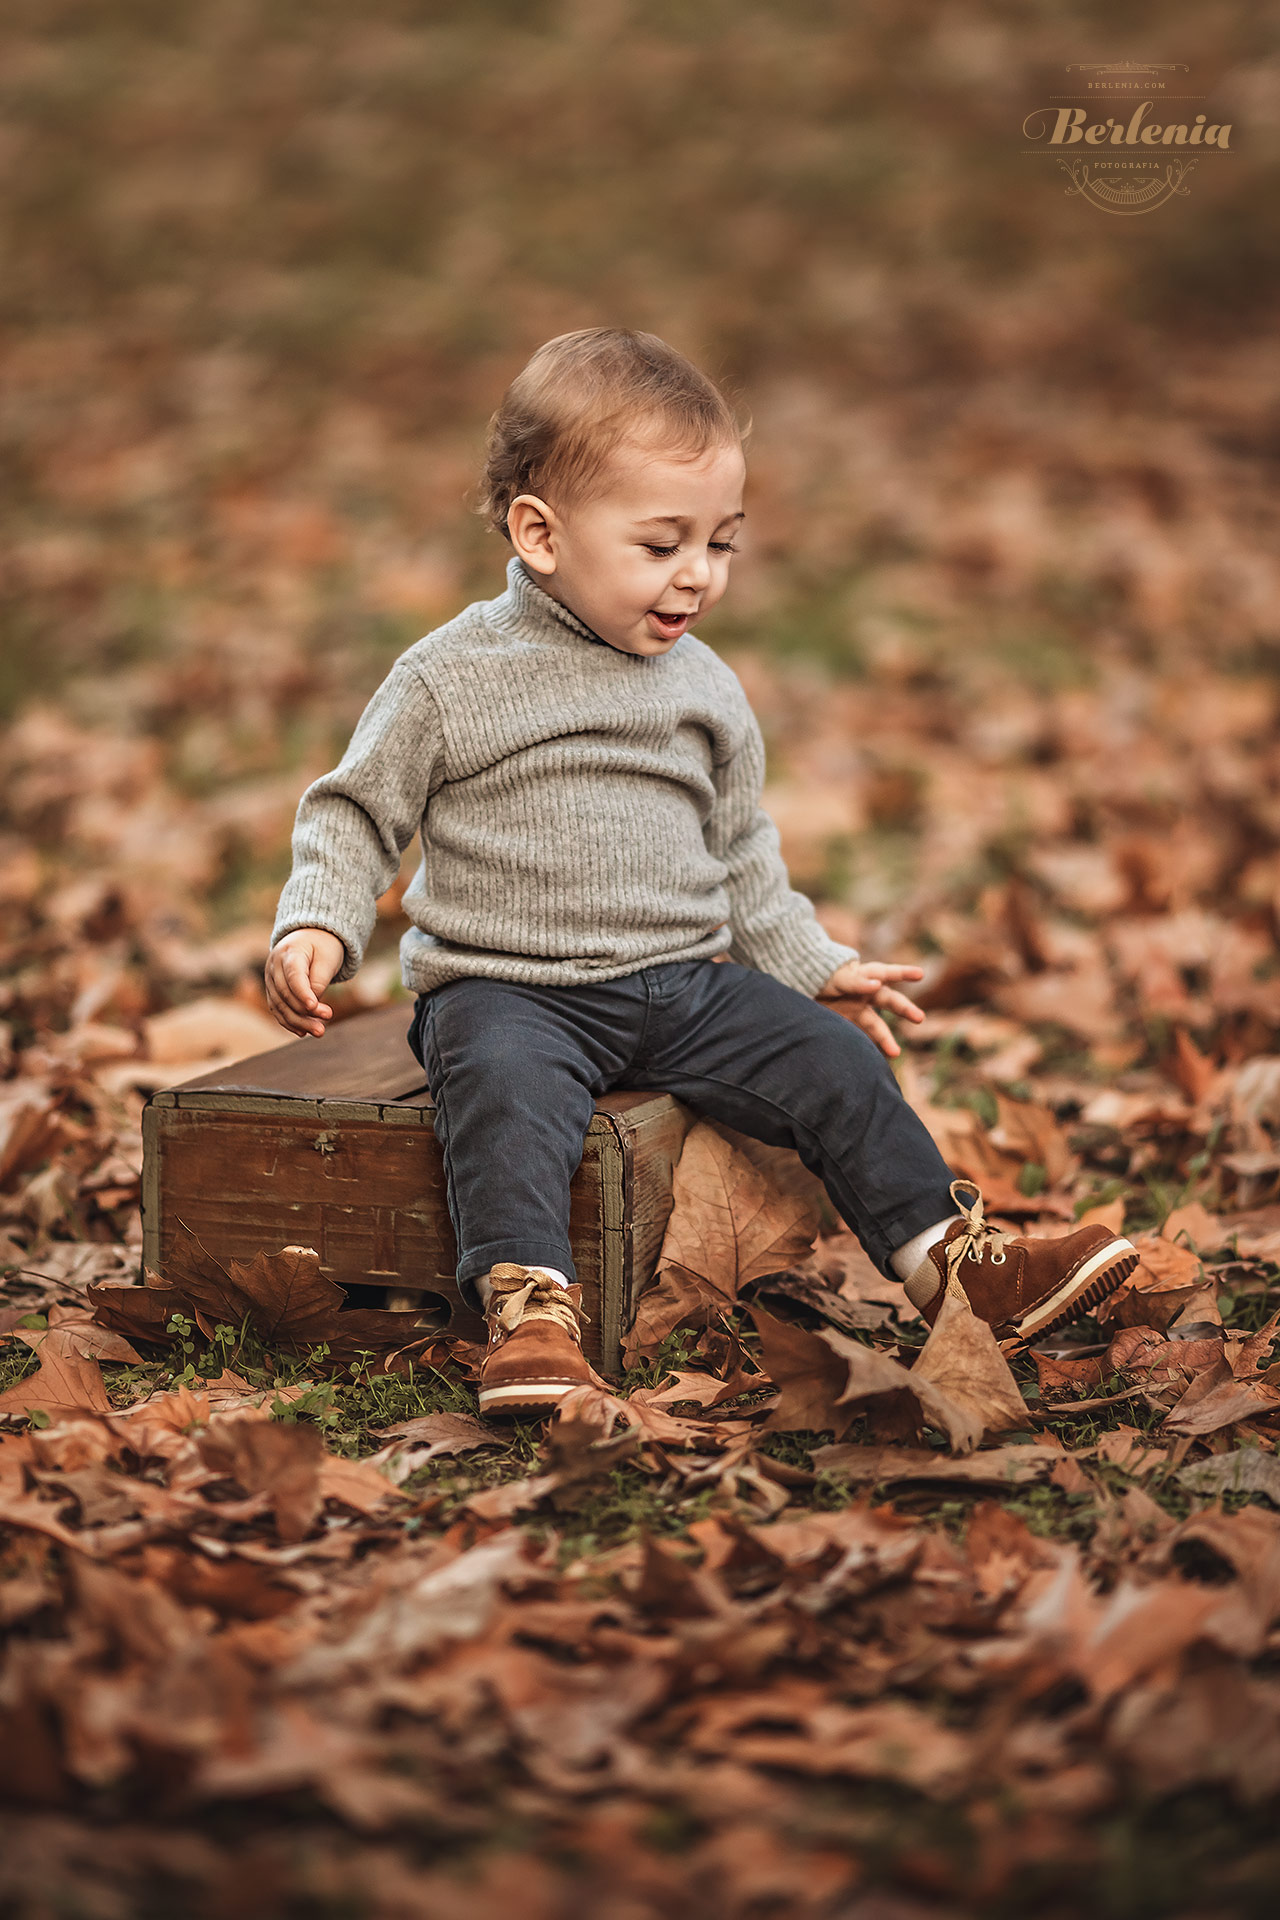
column 647, row 553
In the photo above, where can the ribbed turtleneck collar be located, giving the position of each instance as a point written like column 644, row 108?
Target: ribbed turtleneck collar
column 527, row 604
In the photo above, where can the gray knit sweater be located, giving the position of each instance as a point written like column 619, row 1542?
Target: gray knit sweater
column 583, row 812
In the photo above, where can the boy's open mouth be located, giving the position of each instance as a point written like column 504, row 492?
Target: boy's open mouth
column 669, row 623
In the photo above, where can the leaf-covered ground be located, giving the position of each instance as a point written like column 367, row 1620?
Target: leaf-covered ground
column 813, row 1612
column 794, row 1608
column 816, row 1611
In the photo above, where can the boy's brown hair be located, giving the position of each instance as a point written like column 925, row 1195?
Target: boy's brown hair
column 578, row 398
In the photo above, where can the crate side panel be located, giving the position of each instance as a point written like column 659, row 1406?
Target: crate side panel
column 614, row 1158
column 586, row 1242
column 369, row 1197
column 150, row 1195
column 654, row 1151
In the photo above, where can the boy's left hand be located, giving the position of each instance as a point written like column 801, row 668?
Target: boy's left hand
column 863, row 986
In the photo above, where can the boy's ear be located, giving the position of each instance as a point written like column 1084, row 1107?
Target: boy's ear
column 531, row 523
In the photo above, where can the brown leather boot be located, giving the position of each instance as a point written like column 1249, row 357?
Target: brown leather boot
column 535, row 1351
column 1020, row 1287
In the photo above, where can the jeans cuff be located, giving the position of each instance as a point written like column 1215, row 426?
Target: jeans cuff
column 529, row 1253
column 904, row 1226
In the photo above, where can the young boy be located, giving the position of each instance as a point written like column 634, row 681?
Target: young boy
column 602, row 901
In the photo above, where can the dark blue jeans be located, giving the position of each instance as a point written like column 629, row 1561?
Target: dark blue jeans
column 515, row 1071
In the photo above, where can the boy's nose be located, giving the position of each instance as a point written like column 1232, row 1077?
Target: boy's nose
column 695, row 573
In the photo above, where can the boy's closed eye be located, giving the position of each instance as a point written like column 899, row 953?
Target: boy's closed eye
column 665, row 553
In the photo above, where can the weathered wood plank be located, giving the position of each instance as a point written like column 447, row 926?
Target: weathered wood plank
column 246, row 1103
column 150, row 1197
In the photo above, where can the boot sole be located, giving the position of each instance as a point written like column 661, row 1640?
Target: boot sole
column 1100, row 1275
column 527, row 1396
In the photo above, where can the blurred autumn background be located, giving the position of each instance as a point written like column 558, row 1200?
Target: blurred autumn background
column 1008, row 608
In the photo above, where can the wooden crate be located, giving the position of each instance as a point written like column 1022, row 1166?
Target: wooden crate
column 330, row 1144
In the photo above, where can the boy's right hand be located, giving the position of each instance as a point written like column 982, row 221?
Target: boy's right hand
column 298, row 970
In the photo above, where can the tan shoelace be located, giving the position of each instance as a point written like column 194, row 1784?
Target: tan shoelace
column 975, row 1237
column 541, row 1299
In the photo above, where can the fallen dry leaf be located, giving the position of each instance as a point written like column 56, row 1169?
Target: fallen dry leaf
column 581, row 1446
column 1202, row 1230
column 432, row 1434
column 960, row 1381
column 998, row 1466
column 1163, row 1267
column 30, row 1127
column 358, row 1484
column 890, row 1741
column 961, row 1360
column 67, row 1381
column 281, row 1463
column 810, row 1290
column 1059, row 1376
column 811, row 1377
column 1223, row 1403
column 1247, row 1470
column 283, row 1296
column 739, row 1210
column 1131, row 1449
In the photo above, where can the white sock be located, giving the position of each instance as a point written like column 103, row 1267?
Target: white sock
column 552, row 1273
column 906, row 1258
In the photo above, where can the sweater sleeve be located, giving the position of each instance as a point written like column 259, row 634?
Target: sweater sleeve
column 353, row 824
column 773, row 928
